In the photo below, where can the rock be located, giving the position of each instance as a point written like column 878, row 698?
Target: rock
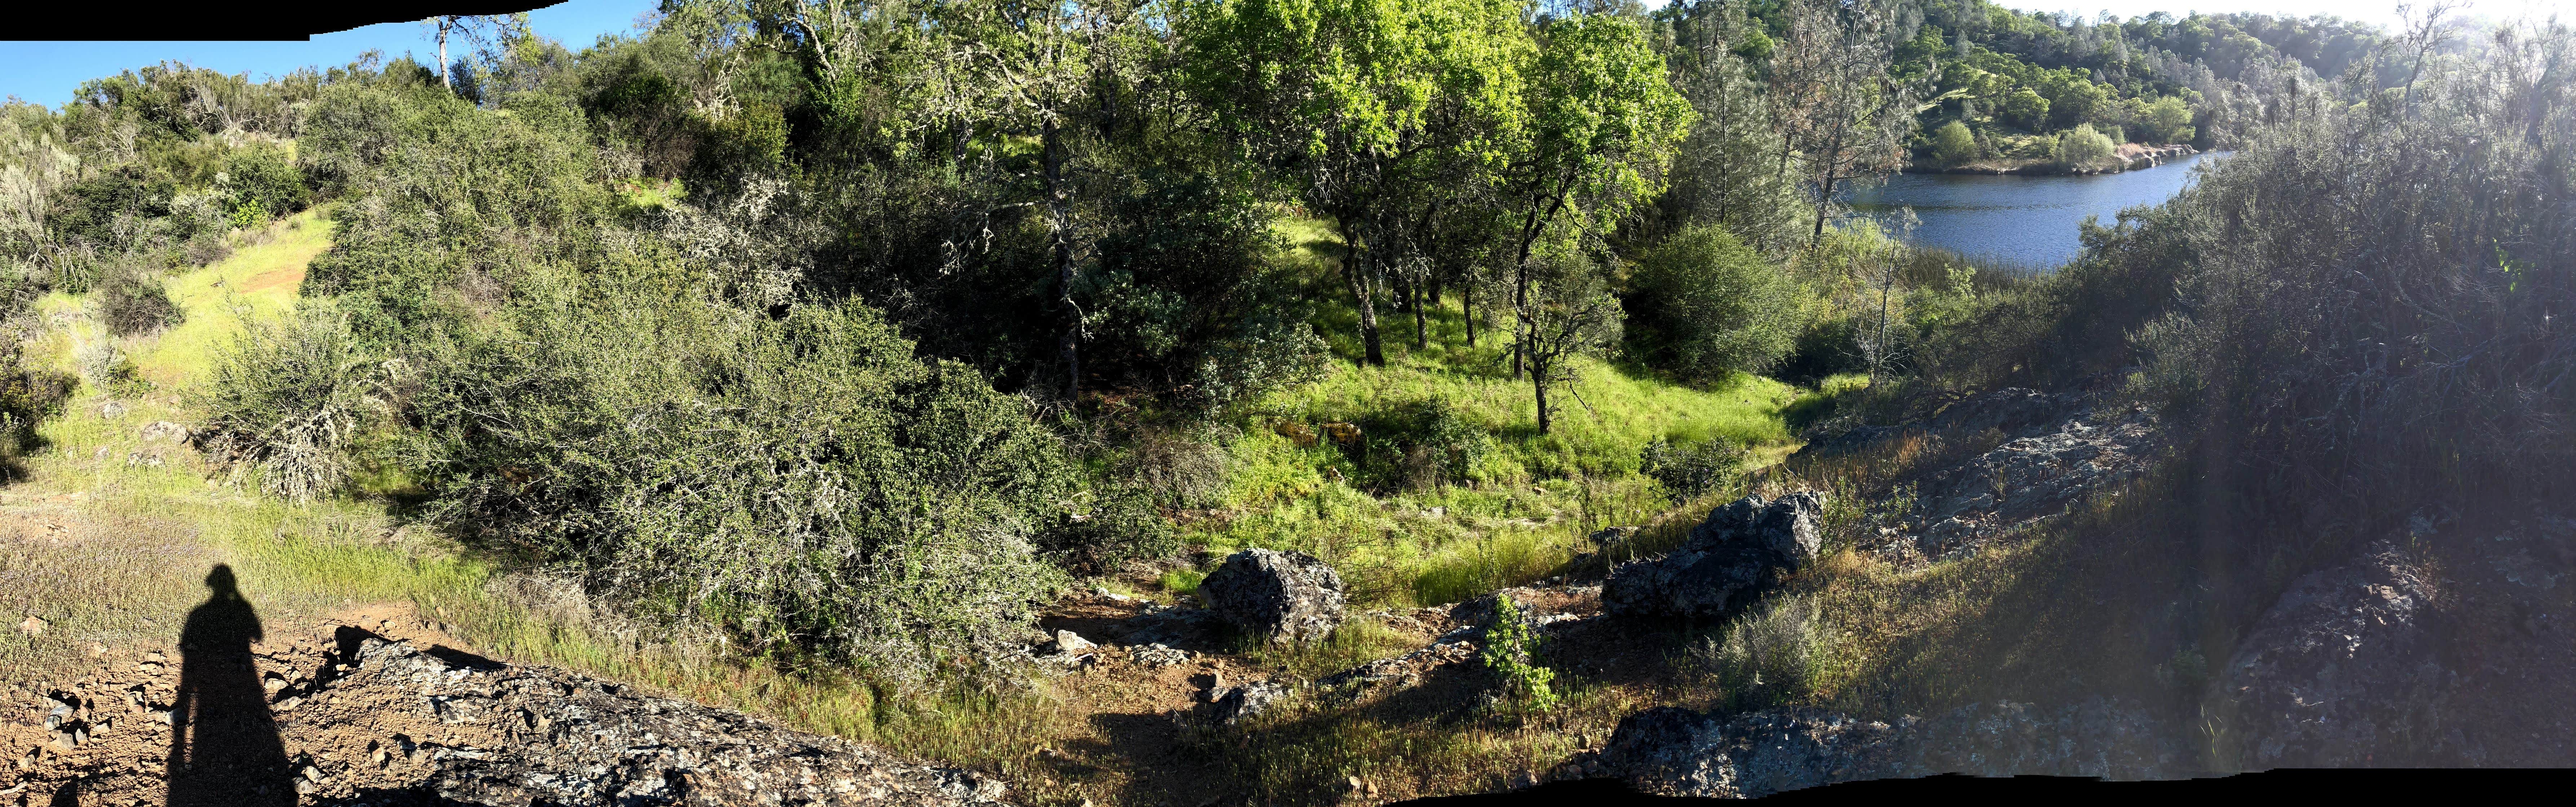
column 597, row 744
column 1169, row 626
column 1233, row 705
column 111, row 410
column 2028, row 479
column 2342, row 671
column 1287, row 596
column 1072, row 644
column 1155, row 656
column 32, row 626
column 163, row 431
column 1754, row 754
column 1728, row 560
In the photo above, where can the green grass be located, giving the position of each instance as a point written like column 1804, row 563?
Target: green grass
column 1521, row 510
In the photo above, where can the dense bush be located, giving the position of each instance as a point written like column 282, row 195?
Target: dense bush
column 260, row 181
column 1420, row 444
column 286, row 399
column 1953, row 144
column 2084, row 149
column 448, row 206
column 1691, row 469
column 1704, row 305
column 27, row 397
column 133, row 300
column 804, row 482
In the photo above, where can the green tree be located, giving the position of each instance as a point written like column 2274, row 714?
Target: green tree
column 1839, row 96
column 1703, row 304
column 1568, row 312
column 1602, row 122
column 2082, row 148
column 2167, row 120
column 1735, row 168
column 1953, row 144
column 1356, row 99
column 2024, row 108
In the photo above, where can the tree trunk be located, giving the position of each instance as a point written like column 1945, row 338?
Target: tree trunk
column 1824, row 197
column 1421, row 323
column 1538, row 384
column 1352, row 270
column 1467, row 310
column 1060, row 219
column 443, row 82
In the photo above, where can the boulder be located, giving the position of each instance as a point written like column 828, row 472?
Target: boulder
column 2343, row 671
column 1759, row 753
column 1287, row 596
column 1230, row 705
column 163, row 431
column 1071, row 643
column 1729, row 560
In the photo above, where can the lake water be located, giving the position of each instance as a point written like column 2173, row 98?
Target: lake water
column 2024, row 220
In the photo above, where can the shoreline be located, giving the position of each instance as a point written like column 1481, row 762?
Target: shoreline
column 2131, row 157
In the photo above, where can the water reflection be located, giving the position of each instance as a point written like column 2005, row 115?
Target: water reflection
column 2026, row 220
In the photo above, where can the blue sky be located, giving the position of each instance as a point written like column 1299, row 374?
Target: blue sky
column 48, row 72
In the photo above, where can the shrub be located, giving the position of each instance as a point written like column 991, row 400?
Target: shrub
column 803, row 482
column 28, row 396
column 132, row 300
column 1766, row 658
column 1953, row 144
column 1705, row 305
column 2166, row 121
column 1691, row 469
column 1509, row 655
column 285, row 399
column 1421, row 444
column 2081, row 148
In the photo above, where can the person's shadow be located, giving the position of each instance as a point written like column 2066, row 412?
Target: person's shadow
column 224, row 745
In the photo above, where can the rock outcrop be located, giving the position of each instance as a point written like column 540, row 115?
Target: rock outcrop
column 507, row 735
column 2029, row 479
column 1728, row 560
column 2343, row 671
column 1287, row 596
column 1754, row 754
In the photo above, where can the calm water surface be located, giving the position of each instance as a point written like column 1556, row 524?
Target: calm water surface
column 2025, row 220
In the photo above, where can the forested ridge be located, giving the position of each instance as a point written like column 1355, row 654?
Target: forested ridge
column 833, row 346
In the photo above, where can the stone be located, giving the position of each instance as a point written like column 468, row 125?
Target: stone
column 163, row 431
column 1680, row 752
column 2342, row 671
column 2030, row 478
column 32, row 626
column 1289, row 597
column 1728, row 561
column 1234, row 705
column 1152, row 656
column 1072, row 644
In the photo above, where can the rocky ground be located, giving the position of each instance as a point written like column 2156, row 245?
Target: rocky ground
column 379, row 708
column 2444, row 645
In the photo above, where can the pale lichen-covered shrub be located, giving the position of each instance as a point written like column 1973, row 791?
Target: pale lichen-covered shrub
column 285, row 399
column 1767, row 657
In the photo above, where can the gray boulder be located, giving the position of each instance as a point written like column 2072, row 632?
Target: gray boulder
column 1728, row 560
column 1754, row 754
column 2343, row 671
column 1227, row 706
column 1288, row 596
